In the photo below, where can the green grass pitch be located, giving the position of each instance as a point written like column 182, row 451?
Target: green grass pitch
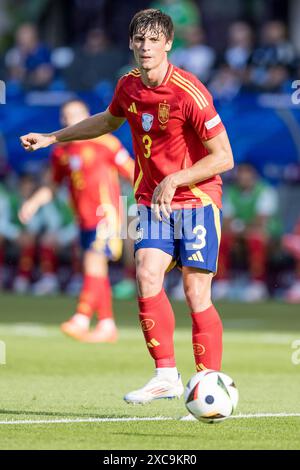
column 48, row 377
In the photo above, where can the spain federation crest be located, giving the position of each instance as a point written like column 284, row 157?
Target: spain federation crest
column 163, row 113
column 75, row 162
column 147, row 121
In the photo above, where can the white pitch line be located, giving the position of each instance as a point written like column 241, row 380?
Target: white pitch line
column 85, row 420
column 268, row 415
column 134, row 419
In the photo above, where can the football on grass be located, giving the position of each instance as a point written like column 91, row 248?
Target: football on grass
column 211, row 396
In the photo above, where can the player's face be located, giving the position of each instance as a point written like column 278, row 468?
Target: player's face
column 150, row 49
column 73, row 113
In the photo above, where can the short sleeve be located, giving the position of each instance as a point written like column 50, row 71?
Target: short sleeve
column 199, row 110
column 115, row 107
column 124, row 163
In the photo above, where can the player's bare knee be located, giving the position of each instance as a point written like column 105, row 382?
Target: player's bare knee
column 198, row 297
column 95, row 264
column 148, row 281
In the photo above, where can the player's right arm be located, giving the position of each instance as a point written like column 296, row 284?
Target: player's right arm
column 40, row 197
column 89, row 128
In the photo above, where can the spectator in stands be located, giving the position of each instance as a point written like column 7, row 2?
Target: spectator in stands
column 225, row 83
column 291, row 243
column 99, row 60
column 28, row 62
column 184, row 13
column 195, row 56
column 249, row 217
column 231, row 72
column 240, row 46
column 270, row 63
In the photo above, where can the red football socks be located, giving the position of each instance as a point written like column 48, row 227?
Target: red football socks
column 48, row 259
column 207, row 339
column 158, row 324
column 104, row 302
column 256, row 243
column 26, row 261
column 95, row 295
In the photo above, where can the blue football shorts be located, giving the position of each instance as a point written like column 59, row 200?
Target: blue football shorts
column 97, row 240
column 191, row 236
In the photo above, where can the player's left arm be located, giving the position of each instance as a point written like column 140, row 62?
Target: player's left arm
column 125, row 164
column 218, row 160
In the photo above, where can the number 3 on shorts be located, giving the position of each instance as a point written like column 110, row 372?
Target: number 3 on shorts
column 200, row 232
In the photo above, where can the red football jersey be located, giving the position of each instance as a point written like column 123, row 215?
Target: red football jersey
column 91, row 170
column 169, row 124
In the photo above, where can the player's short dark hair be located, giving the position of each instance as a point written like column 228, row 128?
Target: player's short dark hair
column 74, row 100
column 153, row 19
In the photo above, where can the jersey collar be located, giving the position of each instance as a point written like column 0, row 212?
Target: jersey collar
column 165, row 80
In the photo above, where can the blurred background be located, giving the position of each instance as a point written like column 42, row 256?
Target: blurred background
column 247, row 52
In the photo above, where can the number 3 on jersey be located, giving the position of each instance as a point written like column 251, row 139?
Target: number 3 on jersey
column 147, row 141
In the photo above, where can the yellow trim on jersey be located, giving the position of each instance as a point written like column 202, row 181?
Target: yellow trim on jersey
column 169, row 75
column 191, row 93
column 134, row 73
column 204, row 198
column 194, row 90
column 136, row 70
column 191, row 86
column 139, row 178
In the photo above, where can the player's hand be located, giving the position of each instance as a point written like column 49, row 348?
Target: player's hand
column 27, row 211
column 33, row 141
column 162, row 198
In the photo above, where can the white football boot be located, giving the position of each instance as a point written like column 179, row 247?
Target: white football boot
column 158, row 387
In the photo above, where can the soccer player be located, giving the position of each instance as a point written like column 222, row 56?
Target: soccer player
column 91, row 171
column 181, row 147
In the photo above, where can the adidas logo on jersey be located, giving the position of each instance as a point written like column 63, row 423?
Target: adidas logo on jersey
column 132, row 108
column 196, row 257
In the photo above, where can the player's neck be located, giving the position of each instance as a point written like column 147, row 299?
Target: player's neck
column 155, row 77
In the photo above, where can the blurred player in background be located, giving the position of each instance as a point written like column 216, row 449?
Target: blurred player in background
column 30, row 242
column 181, row 147
column 91, row 171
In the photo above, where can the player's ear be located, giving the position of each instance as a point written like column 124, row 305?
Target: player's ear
column 130, row 44
column 168, row 46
